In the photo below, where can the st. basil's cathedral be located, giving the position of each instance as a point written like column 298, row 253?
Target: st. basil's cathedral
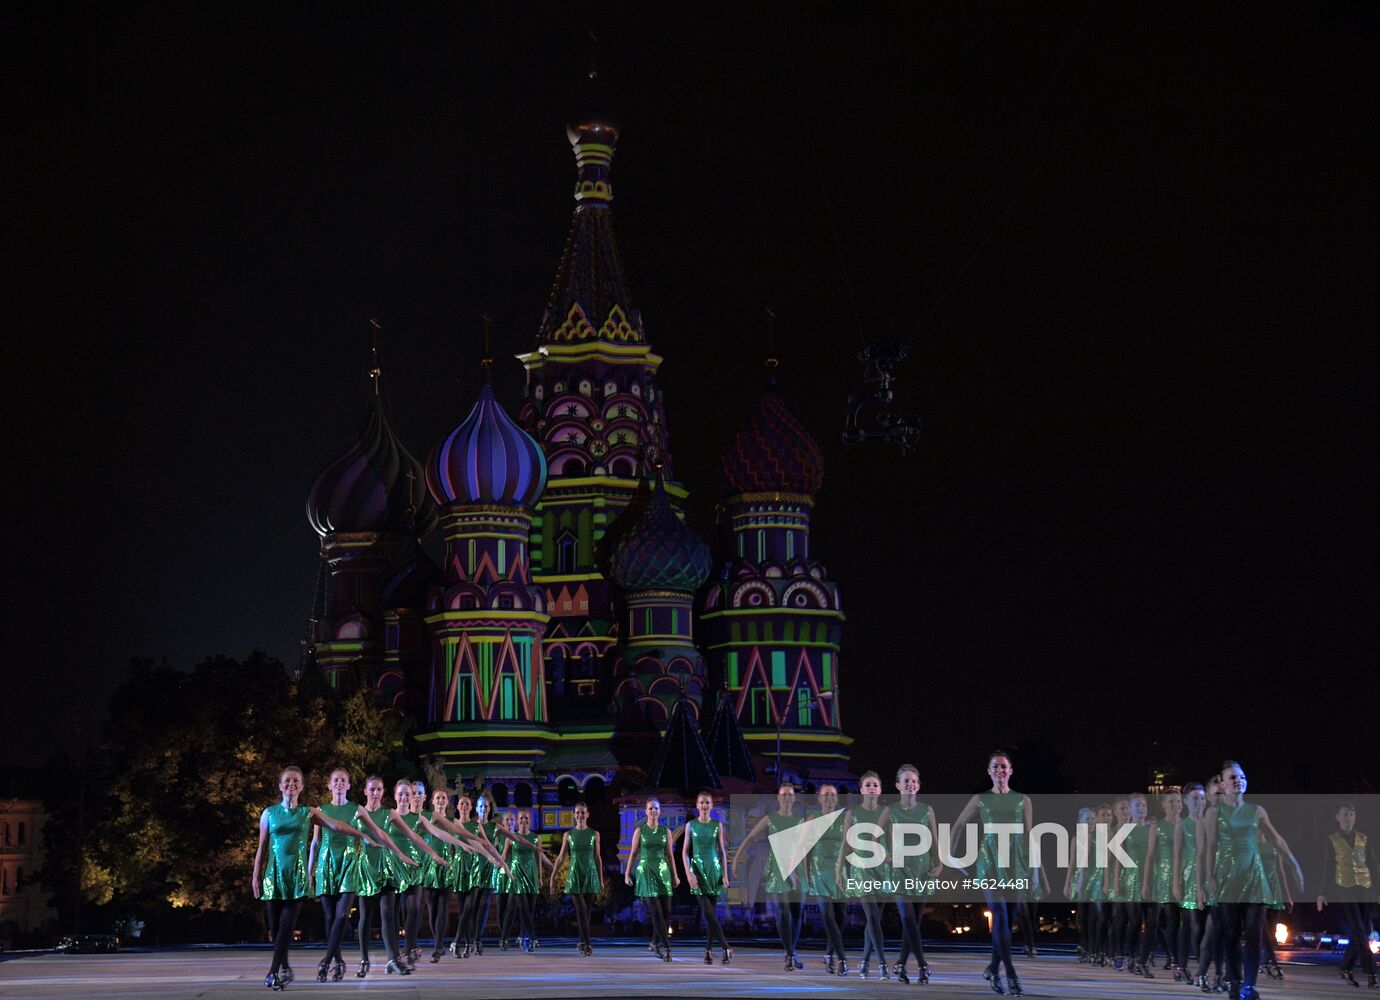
column 578, row 639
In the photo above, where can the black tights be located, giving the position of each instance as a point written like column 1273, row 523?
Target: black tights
column 1356, row 919
column 709, row 906
column 1000, row 907
column 659, row 911
column 282, row 921
column 335, row 911
column 1243, row 920
column 476, row 915
column 835, row 913
column 463, row 899
column 410, row 910
column 1128, row 920
column 874, row 939
column 1084, row 910
column 912, row 912
column 1030, row 920
column 387, row 902
column 584, row 903
column 437, row 914
column 1097, row 928
column 1190, row 933
column 519, row 904
column 786, row 908
column 1170, row 927
column 1211, row 943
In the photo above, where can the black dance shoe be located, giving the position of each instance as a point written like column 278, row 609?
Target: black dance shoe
column 843, row 967
column 798, row 963
column 286, row 974
column 863, row 970
column 1347, row 976
column 923, row 974
column 882, row 970
column 398, row 967
column 1016, row 990
column 989, row 972
column 363, row 969
column 667, row 956
column 322, row 969
column 338, row 970
column 829, row 964
column 502, row 944
column 728, row 956
column 996, row 984
column 900, row 971
column 790, row 966
column 1248, row 993
column 435, row 956
column 479, row 946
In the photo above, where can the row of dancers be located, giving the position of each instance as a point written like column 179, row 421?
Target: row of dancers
column 395, row 861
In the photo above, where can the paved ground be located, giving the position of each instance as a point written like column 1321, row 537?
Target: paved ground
column 614, row 971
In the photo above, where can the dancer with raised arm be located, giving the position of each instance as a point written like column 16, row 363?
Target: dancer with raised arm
column 282, row 864
column 585, row 877
column 918, row 870
column 1236, row 876
column 855, row 883
column 782, row 891
column 332, row 854
column 1001, row 805
column 823, row 879
column 656, row 875
column 705, row 860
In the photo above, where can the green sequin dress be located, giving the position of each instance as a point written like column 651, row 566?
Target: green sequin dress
column 776, row 884
column 1274, row 887
column 1008, row 807
column 653, row 875
column 1136, row 844
column 289, row 845
column 335, row 852
column 372, row 870
column 405, row 876
column 481, row 871
column 1161, row 874
column 433, row 876
column 705, row 860
column 499, row 880
column 583, row 873
column 859, row 876
column 822, row 878
column 1188, row 864
column 917, row 868
column 1237, row 868
column 460, row 871
column 526, row 877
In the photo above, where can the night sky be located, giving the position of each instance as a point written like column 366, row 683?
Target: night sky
column 1144, row 503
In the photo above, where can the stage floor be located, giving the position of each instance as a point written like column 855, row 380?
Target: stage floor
column 614, row 971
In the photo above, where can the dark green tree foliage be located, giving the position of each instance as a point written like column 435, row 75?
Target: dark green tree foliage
column 189, row 762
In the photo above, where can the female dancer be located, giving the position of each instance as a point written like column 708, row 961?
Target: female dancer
column 1159, row 886
column 285, row 883
column 782, row 892
column 461, row 881
column 867, row 811
column 656, row 875
column 705, row 859
column 1128, row 886
column 331, row 855
column 436, row 881
column 376, row 876
column 525, row 857
column 500, row 882
column 1185, row 876
column 1095, row 890
column 824, row 884
column 1075, row 885
column 410, row 898
column 585, row 877
column 1236, row 878
column 910, row 900
column 475, row 916
column 1001, row 805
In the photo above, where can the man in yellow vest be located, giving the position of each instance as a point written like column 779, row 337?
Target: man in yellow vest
column 1348, row 874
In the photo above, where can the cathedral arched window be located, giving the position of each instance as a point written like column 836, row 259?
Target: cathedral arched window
column 565, row 552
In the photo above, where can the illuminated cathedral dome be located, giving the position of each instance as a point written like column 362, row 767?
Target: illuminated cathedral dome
column 368, row 487
column 660, row 552
column 772, row 452
column 487, row 459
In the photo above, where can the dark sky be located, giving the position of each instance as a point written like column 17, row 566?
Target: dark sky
column 1144, row 504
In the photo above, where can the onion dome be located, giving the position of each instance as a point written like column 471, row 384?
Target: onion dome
column 368, row 488
column 772, row 453
column 488, row 459
column 660, row 552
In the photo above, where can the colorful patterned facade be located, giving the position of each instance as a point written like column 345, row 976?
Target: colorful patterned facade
column 557, row 637
column 772, row 617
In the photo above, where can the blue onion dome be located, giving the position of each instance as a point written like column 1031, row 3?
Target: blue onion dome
column 660, row 552
column 368, row 487
column 772, row 453
column 487, row 459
